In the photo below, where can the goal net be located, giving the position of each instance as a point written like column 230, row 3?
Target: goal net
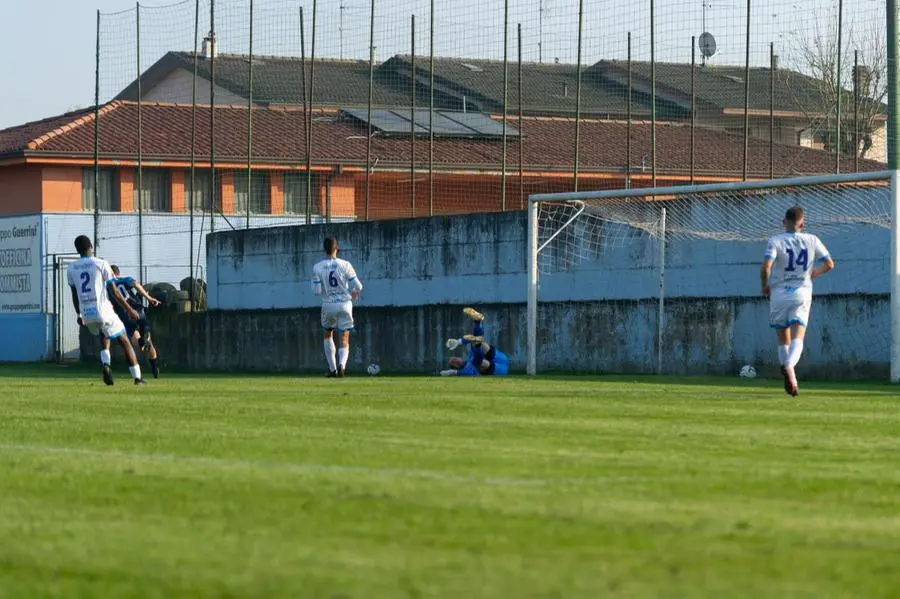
column 667, row 280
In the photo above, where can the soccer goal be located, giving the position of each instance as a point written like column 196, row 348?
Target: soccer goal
column 666, row 280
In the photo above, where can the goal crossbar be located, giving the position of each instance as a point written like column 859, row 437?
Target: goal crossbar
column 681, row 190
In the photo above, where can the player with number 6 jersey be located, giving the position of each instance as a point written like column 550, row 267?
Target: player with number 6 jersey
column 788, row 268
column 335, row 281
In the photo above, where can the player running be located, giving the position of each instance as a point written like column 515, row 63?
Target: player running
column 89, row 279
column 786, row 279
column 138, row 330
column 336, row 282
column 483, row 359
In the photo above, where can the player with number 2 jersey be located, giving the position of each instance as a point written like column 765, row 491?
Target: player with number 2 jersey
column 335, row 281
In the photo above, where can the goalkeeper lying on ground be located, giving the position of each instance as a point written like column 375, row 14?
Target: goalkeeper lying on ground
column 483, row 359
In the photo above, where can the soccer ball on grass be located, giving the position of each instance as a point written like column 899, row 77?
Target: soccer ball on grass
column 373, row 369
column 748, row 372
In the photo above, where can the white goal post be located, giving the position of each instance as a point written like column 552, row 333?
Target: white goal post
column 567, row 230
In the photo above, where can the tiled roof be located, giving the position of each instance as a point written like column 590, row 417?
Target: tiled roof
column 15, row 139
column 722, row 87
column 547, row 88
column 278, row 137
column 279, row 79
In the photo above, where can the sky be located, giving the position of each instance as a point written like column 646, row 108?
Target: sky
column 49, row 45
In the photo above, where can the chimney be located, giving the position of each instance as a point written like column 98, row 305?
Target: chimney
column 775, row 62
column 209, row 47
column 862, row 77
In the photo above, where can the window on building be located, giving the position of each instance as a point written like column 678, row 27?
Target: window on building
column 200, row 196
column 259, row 195
column 295, row 194
column 155, row 192
column 108, row 185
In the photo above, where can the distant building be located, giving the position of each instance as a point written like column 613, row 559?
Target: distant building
column 800, row 108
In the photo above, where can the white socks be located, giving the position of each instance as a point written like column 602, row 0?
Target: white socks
column 343, row 354
column 329, row 355
column 783, row 354
column 106, row 359
column 794, row 352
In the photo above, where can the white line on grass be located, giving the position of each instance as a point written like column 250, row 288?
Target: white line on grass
column 310, row 467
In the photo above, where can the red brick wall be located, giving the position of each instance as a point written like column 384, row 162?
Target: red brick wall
column 20, row 190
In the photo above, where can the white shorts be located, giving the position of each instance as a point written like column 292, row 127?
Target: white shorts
column 337, row 315
column 789, row 307
column 109, row 324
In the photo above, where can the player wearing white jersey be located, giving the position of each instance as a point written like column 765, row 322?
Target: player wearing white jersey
column 337, row 284
column 89, row 279
column 793, row 259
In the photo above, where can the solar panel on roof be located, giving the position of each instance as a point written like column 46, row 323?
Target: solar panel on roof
column 446, row 123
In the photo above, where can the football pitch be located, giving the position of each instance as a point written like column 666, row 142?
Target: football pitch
column 252, row 486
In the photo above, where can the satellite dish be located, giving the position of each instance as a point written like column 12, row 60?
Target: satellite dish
column 707, row 44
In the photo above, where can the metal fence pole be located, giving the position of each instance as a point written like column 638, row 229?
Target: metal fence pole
column 505, row 102
column 213, row 200
column 97, row 139
column 431, row 116
column 840, row 91
column 521, row 135
column 772, row 75
column 653, row 90
column 369, row 113
column 193, row 174
column 693, row 104
column 306, row 112
column 309, row 131
column 856, row 110
column 140, row 165
column 250, row 120
column 412, row 119
column 578, row 97
column 747, row 96
column 628, row 121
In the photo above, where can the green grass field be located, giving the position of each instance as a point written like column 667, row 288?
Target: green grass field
column 249, row 486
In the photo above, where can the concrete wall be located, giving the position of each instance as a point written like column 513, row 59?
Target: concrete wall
column 711, row 336
column 598, row 313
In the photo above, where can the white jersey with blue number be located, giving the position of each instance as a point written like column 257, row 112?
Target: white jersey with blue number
column 89, row 276
column 793, row 256
column 334, row 279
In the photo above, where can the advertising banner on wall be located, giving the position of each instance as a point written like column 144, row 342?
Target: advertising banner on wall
column 20, row 264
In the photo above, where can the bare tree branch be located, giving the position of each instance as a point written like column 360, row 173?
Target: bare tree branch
column 816, row 55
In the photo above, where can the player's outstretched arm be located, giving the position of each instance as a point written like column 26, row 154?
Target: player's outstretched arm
column 143, row 293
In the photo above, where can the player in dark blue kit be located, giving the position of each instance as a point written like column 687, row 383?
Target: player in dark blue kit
column 483, row 359
column 138, row 330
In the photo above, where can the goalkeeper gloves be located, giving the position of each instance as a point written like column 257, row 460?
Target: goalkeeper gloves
column 453, row 344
